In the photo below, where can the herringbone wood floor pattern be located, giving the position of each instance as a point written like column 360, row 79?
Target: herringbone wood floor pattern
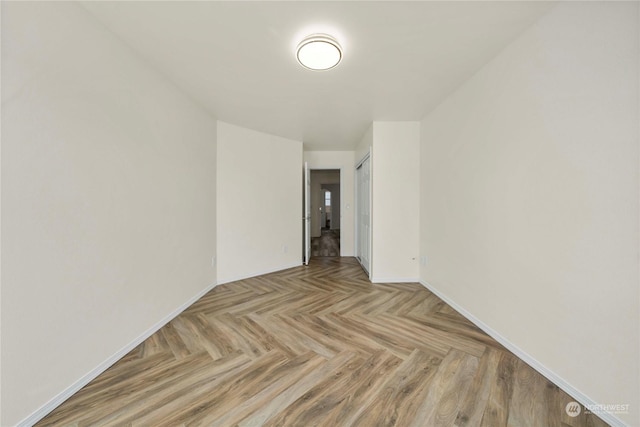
column 319, row 346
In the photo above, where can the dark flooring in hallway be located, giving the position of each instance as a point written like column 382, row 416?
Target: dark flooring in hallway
column 328, row 244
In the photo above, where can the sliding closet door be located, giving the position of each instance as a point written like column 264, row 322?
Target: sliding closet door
column 363, row 213
column 306, row 215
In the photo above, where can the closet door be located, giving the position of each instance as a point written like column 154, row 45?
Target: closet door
column 306, row 215
column 363, row 214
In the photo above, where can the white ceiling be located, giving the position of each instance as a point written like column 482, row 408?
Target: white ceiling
column 237, row 59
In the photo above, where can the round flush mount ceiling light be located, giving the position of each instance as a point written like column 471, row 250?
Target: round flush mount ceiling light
column 319, row 52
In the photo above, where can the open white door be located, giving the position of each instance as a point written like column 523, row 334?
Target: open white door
column 307, row 214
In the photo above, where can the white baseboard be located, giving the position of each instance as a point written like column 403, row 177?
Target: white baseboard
column 528, row 359
column 394, row 280
column 259, row 273
column 87, row 378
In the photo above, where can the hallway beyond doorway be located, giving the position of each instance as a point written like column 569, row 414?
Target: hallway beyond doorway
column 325, row 211
column 328, row 244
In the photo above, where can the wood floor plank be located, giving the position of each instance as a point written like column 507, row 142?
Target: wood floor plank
column 135, row 398
column 384, row 338
column 311, row 408
column 475, row 402
column 527, row 404
column 429, row 305
column 332, row 337
column 276, row 383
column 419, row 332
column 237, row 337
column 306, row 340
column 163, row 399
column 209, row 396
column 346, row 304
column 406, row 302
column 497, row 410
column 448, row 390
column 363, row 386
column 117, row 379
column 211, row 338
column 177, row 346
column 457, row 329
column 319, row 345
column 284, row 399
column 401, row 394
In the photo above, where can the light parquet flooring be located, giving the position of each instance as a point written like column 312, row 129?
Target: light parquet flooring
column 319, row 346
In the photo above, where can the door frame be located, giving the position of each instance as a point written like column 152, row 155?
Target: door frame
column 338, row 168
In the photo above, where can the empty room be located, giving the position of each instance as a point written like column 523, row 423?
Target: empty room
column 320, row 213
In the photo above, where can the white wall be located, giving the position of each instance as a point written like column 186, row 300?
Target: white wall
column 343, row 160
column 393, row 148
column 108, row 201
column 365, row 145
column 530, row 198
column 259, row 203
column 395, row 201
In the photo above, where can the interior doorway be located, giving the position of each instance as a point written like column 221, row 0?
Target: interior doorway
column 325, row 191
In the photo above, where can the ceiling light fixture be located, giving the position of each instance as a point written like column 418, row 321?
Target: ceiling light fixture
column 319, row 52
